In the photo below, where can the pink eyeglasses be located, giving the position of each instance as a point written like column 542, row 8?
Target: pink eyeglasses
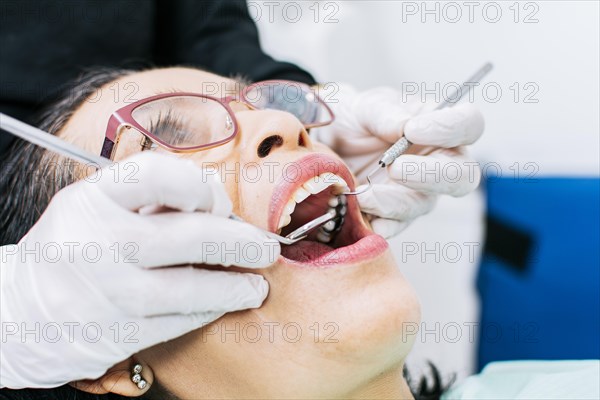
column 189, row 122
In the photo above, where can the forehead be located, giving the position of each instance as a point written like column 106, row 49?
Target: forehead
column 149, row 83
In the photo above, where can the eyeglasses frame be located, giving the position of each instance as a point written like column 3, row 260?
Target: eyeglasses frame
column 123, row 118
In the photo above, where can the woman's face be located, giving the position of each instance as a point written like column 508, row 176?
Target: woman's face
column 334, row 319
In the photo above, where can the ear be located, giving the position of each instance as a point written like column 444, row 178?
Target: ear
column 118, row 380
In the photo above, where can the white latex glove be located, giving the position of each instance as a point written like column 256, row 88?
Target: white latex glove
column 365, row 126
column 122, row 292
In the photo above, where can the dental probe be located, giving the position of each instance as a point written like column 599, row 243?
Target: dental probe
column 300, row 233
column 59, row 146
column 50, row 142
column 403, row 144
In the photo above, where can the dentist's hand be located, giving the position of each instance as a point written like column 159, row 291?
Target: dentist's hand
column 368, row 123
column 84, row 289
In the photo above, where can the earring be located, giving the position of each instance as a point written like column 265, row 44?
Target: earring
column 136, row 377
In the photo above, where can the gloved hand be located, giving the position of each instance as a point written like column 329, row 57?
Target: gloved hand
column 367, row 124
column 83, row 291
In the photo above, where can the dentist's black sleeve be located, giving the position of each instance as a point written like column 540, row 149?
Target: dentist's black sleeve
column 222, row 37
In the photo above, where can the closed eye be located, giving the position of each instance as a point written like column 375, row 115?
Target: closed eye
column 170, row 128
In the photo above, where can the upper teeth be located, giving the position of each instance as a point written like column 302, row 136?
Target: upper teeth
column 312, row 186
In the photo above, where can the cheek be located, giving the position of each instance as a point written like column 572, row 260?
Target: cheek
column 222, row 162
column 254, row 192
column 256, row 182
column 130, row 142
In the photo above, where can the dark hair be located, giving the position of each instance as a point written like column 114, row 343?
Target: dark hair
column 60, row 393
column 67, row 392
column 30, row 176
column 426, row 389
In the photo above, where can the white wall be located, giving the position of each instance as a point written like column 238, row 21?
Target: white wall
column 387, row 43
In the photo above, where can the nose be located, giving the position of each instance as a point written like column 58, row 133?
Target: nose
column 270, row 131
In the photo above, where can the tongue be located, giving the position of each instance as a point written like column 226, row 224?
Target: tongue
column 305, row 250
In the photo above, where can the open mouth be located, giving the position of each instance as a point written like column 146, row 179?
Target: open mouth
column 316, row 190
column 314, row 198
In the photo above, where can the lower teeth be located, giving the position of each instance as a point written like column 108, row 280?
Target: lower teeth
column 323, row 237
column 328, row 231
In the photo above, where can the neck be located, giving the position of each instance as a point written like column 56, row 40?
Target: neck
column 388, row 385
